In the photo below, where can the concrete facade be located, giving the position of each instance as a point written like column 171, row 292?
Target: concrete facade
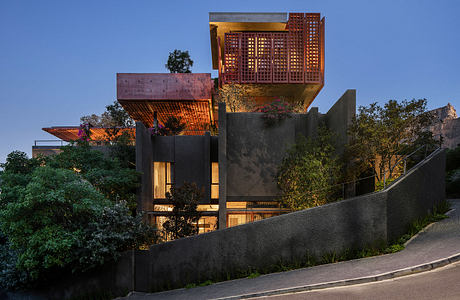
column 191, row 155
column 250, row 152
column 369, row 220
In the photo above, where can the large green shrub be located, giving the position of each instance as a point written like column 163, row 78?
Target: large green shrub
column 111, row 177
column 308, row 172
column 54, row 221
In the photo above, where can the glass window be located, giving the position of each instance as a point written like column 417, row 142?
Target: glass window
column 214, row 180
column 237, row 205
column 162, row 179
column 207, row 224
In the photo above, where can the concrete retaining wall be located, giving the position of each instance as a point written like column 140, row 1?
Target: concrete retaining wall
column 368, row 220
column 414, row 195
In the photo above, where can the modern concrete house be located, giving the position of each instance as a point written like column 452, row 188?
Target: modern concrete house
column 272, row 55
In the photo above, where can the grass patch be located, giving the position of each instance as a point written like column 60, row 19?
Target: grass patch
column 254, row 275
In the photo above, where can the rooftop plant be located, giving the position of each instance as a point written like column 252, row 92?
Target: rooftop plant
column 275, row 111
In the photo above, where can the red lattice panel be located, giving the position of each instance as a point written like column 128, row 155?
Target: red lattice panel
column 321, row 53
column 248, row 57
column 296, row 47
column 312, row 34
column 264, row 57
column 231, row 55
column 295, row 56
column 280, row 57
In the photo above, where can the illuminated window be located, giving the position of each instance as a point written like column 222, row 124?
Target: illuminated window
column 214, row 180
column 207, row 224
column 162, row 179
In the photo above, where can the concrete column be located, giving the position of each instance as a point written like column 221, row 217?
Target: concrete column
column 340, row 116
column 312, row 122
column 144, row 159
column 207, row 167
column 222, row 166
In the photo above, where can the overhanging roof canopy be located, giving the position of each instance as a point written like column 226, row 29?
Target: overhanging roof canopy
column 70, row 133
column 187, row 95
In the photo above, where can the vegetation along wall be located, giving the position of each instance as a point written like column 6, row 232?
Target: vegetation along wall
column 368, row 220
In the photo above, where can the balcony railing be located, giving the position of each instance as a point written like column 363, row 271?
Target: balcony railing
column 50, row 143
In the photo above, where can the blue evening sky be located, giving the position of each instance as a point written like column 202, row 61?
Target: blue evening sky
column 58, row 59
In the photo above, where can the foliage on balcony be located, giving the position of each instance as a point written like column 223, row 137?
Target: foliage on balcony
column 275, row 112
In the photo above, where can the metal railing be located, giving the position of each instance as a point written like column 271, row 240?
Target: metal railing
column 50, row 143
column 385, row 185
column 404, row 159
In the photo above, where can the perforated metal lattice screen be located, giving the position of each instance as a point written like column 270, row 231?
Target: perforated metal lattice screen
column 312, row 47
column 264, row 57
column 280, row 58
column 231, row 57
column 293, row 56
column 248, row 57
column 296, row 47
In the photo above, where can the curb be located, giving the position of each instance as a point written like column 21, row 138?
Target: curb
column 426, row 228
column 384, row 276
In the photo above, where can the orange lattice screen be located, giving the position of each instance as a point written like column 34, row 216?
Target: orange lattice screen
column 231, row 57
column 280, row 57
column 293, row 56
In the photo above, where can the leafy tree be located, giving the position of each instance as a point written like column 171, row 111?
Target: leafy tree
column 43, row 221
column 179, row 62
column 184, row 218
column 55, row 221
column 113, row 178
column 114, row 120
column 308, row 172
column 119, row 141
column 381, row 136
column 114, row 116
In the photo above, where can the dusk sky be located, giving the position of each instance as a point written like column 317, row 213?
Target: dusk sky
column 58, row 59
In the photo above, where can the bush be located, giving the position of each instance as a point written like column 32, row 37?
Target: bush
column 275, row 112
column 55, row 221
column 109, row 176
column 308, row 172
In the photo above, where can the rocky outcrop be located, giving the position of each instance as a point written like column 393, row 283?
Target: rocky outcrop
column 447, row 126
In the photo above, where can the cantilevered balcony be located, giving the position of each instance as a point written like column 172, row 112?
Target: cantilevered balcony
column 271, row 54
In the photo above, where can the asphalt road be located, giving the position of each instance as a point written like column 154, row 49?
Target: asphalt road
column 442, row 283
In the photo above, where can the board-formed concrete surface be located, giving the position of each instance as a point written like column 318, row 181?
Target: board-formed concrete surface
column 437, row 242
